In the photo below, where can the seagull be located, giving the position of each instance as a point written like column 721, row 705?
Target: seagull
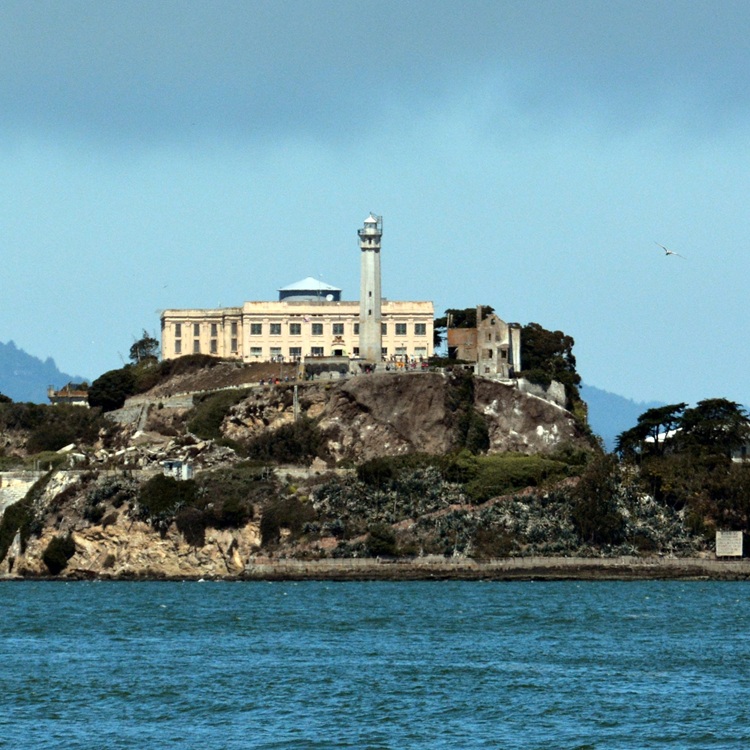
column 670, row 252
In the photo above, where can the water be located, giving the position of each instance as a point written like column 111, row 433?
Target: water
column 375, row 665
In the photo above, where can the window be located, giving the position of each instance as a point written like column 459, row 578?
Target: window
column 400, row 329
column 196, row 329
column 420, row 329
column 196, row 346
column 317, row 351
column 338, row 329
column 275, row 351
column 356, row 351
column 214, row 346
column 233, row 345
column 356, row 329
column 295, row 352
column 384, row 328
column 420, row 351
column 177, row 330
column 234, row 328
column 275, row 329
column 256, row 329
column 401, row 350
column 384, row 351
column 178, row 347
column 214, row 329
column 256, row 351
column 295, row 329
column 317, row 329
column 504, row 353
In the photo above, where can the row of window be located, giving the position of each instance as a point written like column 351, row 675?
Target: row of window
column 295, row 329
column 213, row 346
column 295, row 352
column 197, row 329
column 337, row 329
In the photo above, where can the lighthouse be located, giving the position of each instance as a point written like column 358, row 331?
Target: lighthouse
column 370, row 315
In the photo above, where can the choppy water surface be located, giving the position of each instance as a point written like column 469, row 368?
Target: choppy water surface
column 375, row 665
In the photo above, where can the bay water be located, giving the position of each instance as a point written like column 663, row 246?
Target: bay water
column 375, row 665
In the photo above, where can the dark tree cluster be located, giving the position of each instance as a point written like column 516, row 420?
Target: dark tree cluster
column 683, row 457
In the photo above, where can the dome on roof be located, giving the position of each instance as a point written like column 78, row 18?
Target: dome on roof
column 309, row 284
column 371, row 219
column 310, row 289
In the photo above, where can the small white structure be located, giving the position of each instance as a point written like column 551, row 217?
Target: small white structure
column 729, row 543
column 179, row 470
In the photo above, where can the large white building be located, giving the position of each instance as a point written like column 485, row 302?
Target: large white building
column 309, row 320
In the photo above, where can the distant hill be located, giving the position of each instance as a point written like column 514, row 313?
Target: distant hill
column 25, row 378
column 610, row 414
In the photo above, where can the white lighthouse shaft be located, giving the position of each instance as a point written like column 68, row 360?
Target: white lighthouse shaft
column 370, row 314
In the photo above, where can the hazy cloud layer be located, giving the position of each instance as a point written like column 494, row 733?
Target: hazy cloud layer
column 170, row 70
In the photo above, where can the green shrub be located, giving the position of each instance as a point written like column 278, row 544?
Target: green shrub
column 492, row 542
column 498, row 475
column 57, row 553
column 161, row 496
column 209, row 412
column 595, row 513
column 191, row 523
column 110, row 389
column 51, row 427
column 94, row 513
column 296, row 443
column 381, row 541
column 228, row 496
column 284, row 513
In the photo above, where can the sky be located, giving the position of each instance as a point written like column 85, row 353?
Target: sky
column 525, row 155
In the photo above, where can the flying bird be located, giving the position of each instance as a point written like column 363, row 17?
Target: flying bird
column 670, row 252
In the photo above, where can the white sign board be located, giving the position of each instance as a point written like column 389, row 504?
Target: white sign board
column 728, row 544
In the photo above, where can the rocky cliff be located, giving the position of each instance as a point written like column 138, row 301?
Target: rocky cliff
column 93, row 511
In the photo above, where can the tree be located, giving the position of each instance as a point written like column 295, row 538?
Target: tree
column 110, row 390
column 462, row 318
column 594, row 513
column 715, row 426
column 652, row 432
column 547, row 356
column 145, row 348
column 5, row 399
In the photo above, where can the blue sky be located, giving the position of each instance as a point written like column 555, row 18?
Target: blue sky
column 524, row 155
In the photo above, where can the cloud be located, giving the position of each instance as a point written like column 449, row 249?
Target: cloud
column 141, row 71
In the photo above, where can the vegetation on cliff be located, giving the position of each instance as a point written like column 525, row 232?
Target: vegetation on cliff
column 683, row 458
column 309, row 491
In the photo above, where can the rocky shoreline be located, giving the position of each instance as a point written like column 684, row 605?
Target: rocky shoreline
column 457, row 569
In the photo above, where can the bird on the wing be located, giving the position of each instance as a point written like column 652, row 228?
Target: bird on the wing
column 670, row 252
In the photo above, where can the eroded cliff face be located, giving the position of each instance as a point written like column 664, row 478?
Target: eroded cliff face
column 523, row 423
column 391, row 414
column 135, row 550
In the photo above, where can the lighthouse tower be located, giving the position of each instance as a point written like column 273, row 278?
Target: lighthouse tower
column 370, row 316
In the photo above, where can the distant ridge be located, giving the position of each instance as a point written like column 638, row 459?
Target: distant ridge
column 610, row 414
column 24, row 377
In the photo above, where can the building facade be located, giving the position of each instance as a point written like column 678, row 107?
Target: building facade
column 309, row 320
column 290, row 331
column 493, row 345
